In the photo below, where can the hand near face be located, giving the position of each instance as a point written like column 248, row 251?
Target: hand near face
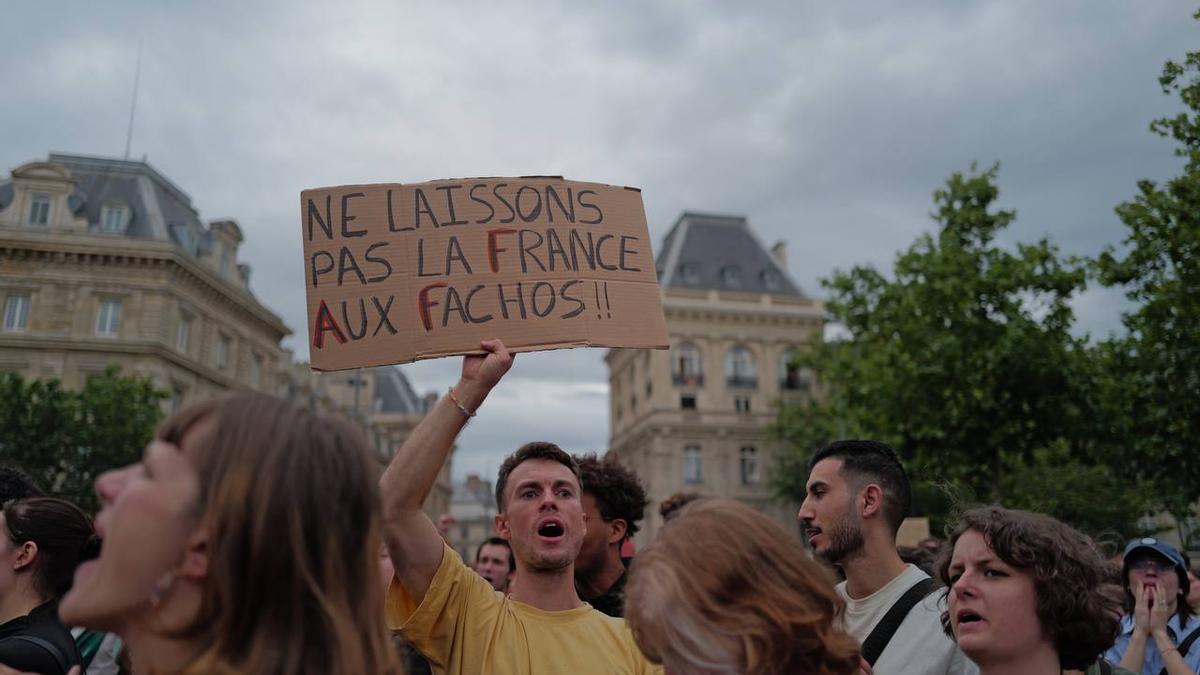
column 486, row 370
column 1160, row 611
column 1141, row 612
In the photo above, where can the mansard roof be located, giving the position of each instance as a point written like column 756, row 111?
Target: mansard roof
column 711, row 251
column 394, row 393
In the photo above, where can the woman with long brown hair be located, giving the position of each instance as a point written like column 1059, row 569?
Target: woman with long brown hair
column 245, row 541
column 727, row 591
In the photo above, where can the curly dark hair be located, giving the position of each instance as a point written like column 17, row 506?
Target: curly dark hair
column 531, row 450
column 671, row 506
column 1078, row 608
column 618, row 491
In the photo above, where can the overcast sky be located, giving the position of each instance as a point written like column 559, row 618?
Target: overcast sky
column 827, row 124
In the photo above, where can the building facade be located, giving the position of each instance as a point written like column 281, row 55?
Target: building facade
column 106, row 262
column 474, row 511
column 695, row 418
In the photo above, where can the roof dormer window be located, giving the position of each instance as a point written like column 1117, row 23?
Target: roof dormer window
column 770, row 279
column 731, row 276
column 39, row 209
column 689, row 273
column 112, row 218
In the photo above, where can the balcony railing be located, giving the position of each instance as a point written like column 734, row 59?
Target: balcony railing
column 688, row 379
column 742, row 382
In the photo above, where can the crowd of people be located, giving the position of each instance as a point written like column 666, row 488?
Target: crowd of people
column 256, row 537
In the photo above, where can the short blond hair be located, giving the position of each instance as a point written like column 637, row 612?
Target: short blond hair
column 724, row 589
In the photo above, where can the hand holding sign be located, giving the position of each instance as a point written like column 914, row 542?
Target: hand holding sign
column 397, row 273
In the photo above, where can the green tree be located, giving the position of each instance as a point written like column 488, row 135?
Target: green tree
column 1155, row 406
column 64, row 439
column 963, row 360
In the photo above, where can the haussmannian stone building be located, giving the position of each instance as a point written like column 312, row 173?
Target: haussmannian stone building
column 106, row 262
column 695, row 418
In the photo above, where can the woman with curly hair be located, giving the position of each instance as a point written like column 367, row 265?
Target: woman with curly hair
column 246, row 541
column 725, row 590
column 1027, row 594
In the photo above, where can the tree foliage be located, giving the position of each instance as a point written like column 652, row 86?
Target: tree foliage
column 963, row 360
column 1157, row 402
column 64, row 439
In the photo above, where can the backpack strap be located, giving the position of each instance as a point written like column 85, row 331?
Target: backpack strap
column 63, row 662
column 1185, row 646
column 879, row 638
column 1105, row 667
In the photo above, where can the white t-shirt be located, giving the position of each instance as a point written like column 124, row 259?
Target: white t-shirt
column 920, row 646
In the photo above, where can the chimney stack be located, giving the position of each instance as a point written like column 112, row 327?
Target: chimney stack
column 779, row 251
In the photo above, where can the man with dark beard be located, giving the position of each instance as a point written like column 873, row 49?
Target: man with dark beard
column 858, row 495
column 614, row 502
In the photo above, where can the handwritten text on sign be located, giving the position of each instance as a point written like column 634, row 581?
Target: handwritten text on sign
column 402, row 272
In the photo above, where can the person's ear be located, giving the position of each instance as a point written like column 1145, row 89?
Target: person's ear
column 616, row 530
column 500, row 523
column 195, row 560
column 27, row 552
column 872, row 500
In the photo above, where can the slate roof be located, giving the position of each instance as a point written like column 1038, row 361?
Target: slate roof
column 394, row 394
column 710, row 251
column 6, row 192
column 159, row 209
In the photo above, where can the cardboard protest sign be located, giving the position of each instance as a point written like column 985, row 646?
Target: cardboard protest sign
column 397, row 273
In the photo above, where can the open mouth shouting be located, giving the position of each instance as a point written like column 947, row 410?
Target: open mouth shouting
column 968, row 620
column 551, row 530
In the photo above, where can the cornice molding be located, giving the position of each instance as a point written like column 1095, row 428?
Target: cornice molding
column 21, row 244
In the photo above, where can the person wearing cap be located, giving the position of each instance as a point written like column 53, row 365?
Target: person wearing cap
column 1159, row 629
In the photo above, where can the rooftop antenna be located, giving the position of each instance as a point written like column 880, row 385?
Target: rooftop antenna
column 133, row 104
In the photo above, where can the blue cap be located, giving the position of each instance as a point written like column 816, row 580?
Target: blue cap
column 1160, row 547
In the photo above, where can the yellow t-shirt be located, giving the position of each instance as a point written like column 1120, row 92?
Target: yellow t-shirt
column 464, row 626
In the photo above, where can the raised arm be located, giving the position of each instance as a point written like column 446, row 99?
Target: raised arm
column 412, row 538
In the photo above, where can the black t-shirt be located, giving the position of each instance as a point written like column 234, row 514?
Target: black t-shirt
column 29, row 655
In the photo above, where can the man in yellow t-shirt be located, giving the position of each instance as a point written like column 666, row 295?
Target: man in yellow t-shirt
column 452, row 615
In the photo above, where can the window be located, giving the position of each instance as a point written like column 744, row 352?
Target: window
column 649, row 389
column 739, row 368
column 108, row 319
column 770, row 279
column 731, row 276
column 689, row 273
column 686, row 365
column 687, row 401
column 749, row 464
column 176, row 401
column 39, row 209
column 742, row 404
column 16, row 313
column 226, row 262
column 791, row 376
column 222, row 352
column 633, row 403
column 692, row 468
column 256, row 363
column 183, row 332
column 112, row 218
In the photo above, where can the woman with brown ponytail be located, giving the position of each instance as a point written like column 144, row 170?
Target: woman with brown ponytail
column 245, row 542
column 42, row 540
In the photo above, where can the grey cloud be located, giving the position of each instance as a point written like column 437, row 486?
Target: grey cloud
column 829, row 125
